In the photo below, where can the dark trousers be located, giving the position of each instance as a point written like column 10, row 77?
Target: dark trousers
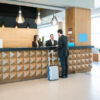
column 64, row 65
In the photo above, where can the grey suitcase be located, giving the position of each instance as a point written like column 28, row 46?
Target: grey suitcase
column 53, row 72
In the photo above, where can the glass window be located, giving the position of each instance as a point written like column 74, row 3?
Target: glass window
column 96, row 32
column 46, row 31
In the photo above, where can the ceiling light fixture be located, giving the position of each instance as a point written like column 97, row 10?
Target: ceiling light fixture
column 38, row 20
column 20, row 19
column 54, row 20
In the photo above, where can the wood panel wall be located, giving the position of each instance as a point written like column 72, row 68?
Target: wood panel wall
column 82, row 25
column 79, row 19
column 70, row 22
column 17, row 37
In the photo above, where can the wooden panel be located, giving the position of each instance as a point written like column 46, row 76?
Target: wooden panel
column 82, row 25
column 95, row 57
column 23, row 65
column 70, row 23
column 17, row 37
column 79, row 20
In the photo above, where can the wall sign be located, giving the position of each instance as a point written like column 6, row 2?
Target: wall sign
column 83, row 37
column 69, row 30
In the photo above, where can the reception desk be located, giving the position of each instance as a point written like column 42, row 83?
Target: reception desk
column 17, row 64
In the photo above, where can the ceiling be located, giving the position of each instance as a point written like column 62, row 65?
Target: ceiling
column 57, row 5
column 96, row 10
column 97, row 4
column 53, row 4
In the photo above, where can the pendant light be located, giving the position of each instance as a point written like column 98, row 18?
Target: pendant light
column 20, row 19
column 38, row 20
column 54, row 20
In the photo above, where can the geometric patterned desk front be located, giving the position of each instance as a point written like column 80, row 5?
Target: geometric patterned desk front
column 32, row 64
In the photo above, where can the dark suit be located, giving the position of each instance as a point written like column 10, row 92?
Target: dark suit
column 35, row 45
column 49, row 43
column 63, row 53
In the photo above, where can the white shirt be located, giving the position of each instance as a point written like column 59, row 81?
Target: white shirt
column 37, row 44
column 52, row 41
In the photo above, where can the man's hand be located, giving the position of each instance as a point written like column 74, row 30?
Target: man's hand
column 51, row 51
column 56, row 45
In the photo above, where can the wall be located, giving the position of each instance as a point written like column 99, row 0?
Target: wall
column 70, row 23
column 82, row 25
column 79, row 20
column 17, row 37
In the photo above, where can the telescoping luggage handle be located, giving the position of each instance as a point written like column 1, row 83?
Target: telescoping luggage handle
column 51, row 53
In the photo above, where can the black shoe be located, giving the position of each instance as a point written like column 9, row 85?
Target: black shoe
column 60, row 76
column 63, row 76
column 66, row 76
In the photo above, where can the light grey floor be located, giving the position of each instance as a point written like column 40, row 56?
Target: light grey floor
column 82, row 86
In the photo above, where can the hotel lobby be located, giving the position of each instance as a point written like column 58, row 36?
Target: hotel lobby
column 26, row 30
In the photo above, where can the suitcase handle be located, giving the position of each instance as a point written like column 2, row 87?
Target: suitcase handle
column 51, row 53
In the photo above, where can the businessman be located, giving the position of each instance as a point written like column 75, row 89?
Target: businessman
column 51, row 42
column 63, row 53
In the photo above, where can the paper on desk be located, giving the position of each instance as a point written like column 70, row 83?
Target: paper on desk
column 1, row 43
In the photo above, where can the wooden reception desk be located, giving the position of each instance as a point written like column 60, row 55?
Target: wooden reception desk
column 17, row 64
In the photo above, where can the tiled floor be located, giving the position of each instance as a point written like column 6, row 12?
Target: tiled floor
column 82, row 86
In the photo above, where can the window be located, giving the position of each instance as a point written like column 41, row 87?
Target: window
column 96, row 32
column 46, row 31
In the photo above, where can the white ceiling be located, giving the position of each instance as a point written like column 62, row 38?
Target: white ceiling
column 54, row 3
column 64, row 3
column 96, row 10
column 97, row 3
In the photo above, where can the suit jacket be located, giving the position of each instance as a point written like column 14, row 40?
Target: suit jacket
column 63, row 49
column 49, row 43
column 35, row 45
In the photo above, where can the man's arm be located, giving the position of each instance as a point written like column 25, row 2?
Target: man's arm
column 55, row 42
column 60, row 43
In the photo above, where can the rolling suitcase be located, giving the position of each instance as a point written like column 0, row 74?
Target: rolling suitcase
column 53, row 72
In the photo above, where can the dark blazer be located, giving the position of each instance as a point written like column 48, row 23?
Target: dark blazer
column 35, row 45
column 49, row 43
column 63, row 49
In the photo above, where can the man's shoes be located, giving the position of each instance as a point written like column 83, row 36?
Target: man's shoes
column 64, row 76
column 61, row 76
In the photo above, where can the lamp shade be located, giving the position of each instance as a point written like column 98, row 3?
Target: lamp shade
column 20, row 19
column 54, row 20
column 38, row 20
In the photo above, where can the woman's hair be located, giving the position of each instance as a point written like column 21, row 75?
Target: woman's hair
column 35, row 36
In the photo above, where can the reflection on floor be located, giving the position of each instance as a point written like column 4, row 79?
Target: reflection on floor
column 82, row 86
